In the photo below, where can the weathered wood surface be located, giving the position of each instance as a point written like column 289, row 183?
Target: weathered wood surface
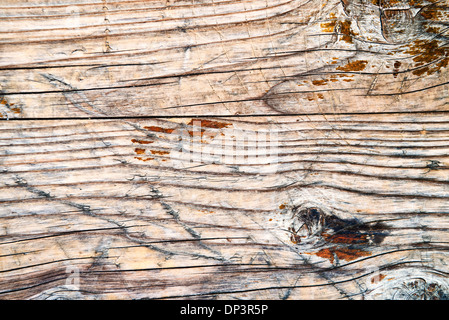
column 121, row 158
column 140, row 58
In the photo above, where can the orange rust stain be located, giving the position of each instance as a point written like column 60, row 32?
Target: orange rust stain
column 320, row 96
column 143, row 159
column 192, row 133
column 208, row 123
column 421, row 71
column 329, row 26
column 345, row 29
column 357, row 65
column 345, row 238
column 346, row 254
column 206, row 211
column 141, row 141
column 203, row 123
column 425, row 52
column 282, row 206
column 159, row 152
column 139, row 151
column 434, row 13
column 9, row 106
column 319, row 82
column 159, row 129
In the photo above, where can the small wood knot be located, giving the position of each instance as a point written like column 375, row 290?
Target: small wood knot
column 313, row 224
column 420, row 289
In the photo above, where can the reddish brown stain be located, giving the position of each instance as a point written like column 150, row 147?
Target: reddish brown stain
column 159, row 152
column 346, row 254
column 357, row 65
column 202, row 124
column 319, row 82
column 200, row 132
column 143, row 159
column 396, row 67
column 421, row 71
column 159, row 129
column 348, row 238
column 139, row 151
column 342, row 239
column 141, row 141
column 329, row 26
column 426, row 52
column 9, row 107
column 345, row 29
column 208, row 123
column 282, row 206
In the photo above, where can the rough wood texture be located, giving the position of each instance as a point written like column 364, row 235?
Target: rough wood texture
column 121, row 162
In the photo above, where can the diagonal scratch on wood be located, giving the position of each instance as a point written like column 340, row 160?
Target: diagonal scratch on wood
column 84, row 105
column 175, row 214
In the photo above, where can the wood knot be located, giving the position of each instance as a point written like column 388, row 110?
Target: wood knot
column 410, row 284
column 421, row 289
column 307, row 223
column 313, row 224
column 398, row 25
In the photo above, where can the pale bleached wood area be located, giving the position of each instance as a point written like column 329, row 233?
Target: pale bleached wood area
column 275, row 149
